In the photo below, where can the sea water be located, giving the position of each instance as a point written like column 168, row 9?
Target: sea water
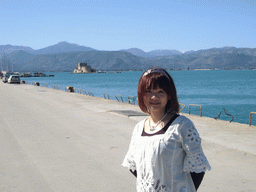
column 213, row 90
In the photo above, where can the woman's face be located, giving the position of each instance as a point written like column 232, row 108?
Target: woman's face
column 155, row 100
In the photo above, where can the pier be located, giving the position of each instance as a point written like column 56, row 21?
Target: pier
column 53, row 140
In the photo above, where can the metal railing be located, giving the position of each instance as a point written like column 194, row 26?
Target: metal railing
column 228, row 115
column 250, row 120
column 45, row 85
column 78, row 91
column 195, row 106
column 106, row 95
column 182, row 107
column 84, row 92
column 90, row 94
column 55, row 86
column 119, row 96
column 131, row 100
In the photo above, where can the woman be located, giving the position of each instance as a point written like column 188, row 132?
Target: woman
column 165, row 152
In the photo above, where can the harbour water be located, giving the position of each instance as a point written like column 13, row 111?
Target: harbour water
column 214, row 90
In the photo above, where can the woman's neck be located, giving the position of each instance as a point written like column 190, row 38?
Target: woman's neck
column 156, row 117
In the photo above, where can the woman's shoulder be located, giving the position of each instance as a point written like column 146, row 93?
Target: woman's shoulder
column 139, row 126
column 182, row 118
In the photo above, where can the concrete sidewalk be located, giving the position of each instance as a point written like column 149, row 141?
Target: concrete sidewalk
column 52, row 140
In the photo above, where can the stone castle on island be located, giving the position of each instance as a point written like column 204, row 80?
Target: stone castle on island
column 84, row 68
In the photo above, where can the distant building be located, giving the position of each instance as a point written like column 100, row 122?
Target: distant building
column 84, row 68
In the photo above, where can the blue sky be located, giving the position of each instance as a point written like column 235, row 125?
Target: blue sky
column 121, row 24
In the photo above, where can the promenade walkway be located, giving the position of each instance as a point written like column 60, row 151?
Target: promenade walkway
column 52, row 140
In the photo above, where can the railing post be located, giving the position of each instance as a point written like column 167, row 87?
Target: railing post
column 116, row 96
column 90, row 94
column 131, row 100
column 182, row 107
column 105, row 96
column 195, row 106
column 45, row 85
column 84, row 92
column 250, row 120
column 228, row 115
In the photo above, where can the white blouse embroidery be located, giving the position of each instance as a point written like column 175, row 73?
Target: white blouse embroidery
column 164, row 162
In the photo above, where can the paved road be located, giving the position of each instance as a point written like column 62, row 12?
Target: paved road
column 52, row 140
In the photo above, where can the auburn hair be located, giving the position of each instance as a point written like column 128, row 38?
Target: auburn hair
column 154, row 78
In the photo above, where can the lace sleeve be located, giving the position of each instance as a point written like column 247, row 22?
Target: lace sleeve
column 129, row 160
column 195, row 160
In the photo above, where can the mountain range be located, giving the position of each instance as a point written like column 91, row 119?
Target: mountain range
column 65, row 56
column 64, row 46
column 154, row 53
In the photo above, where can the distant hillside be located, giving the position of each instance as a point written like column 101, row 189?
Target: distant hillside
column 135, row 51
column 7, row 49
column 62, row 47
column 163, row 52
column 216, row 51
column 154, row 53
column 219, row 61
column 219, row 58
column 100, row 60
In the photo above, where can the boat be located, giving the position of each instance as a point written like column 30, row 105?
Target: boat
column 42, row 75
column 28, row 74
column 37, row 74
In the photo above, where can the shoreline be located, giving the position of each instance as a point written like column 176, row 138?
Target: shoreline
column 132, row 70
column 81, row 91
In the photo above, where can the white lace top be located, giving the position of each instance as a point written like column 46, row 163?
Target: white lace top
column 164, row 162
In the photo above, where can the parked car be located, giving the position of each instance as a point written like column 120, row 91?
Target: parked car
column 14, row 79
column 5, row 78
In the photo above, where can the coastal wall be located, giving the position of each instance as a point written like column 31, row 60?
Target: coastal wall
column 51, row 140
